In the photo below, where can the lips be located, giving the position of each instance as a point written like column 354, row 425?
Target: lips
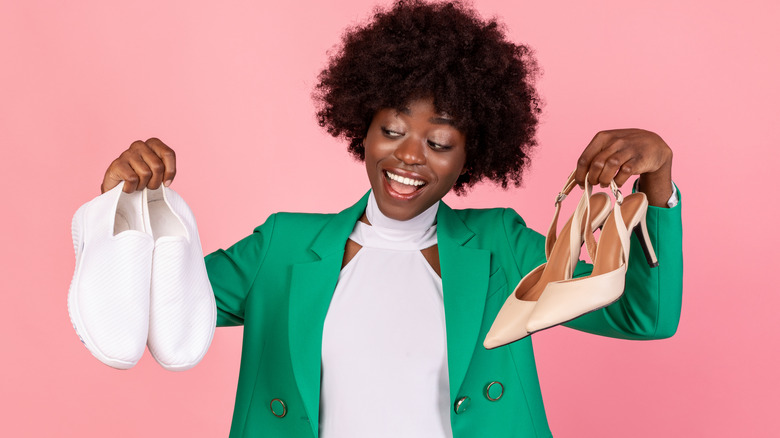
column 403, row 185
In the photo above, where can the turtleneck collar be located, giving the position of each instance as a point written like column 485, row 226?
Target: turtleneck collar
column 421, row 222
column 416, row 233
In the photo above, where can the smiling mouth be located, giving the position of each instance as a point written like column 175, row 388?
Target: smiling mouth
column 403, row 185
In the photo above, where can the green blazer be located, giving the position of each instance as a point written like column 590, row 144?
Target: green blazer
column 278, row 283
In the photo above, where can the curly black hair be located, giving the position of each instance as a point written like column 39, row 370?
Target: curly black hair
column 447, row 52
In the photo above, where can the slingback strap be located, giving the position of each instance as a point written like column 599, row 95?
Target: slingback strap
column 570, row 183
column 616, row 192
column 623, row 232
column 578, row 233
column 590, row 241
column 553, row 229
column 587, row 232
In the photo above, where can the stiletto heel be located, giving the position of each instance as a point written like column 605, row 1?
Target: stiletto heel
column 563, row 301
column 640, row 230
column 562, row 254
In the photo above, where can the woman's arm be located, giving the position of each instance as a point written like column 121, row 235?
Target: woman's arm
column 233, row 271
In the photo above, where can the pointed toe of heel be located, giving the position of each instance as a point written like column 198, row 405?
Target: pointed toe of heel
column 510, row 323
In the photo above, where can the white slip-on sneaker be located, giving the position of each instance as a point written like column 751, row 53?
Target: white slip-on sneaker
column 108, row 301
column 182, row 311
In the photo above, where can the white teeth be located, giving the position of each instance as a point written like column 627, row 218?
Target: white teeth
column 404, row 180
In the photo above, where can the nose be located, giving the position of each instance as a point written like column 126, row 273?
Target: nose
column 410, row 151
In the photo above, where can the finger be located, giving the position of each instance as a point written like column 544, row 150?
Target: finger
column 110, row 179
column 168, row 157
column 605, row 164
column 584, row 162
column 626, row 170
column 141, row 169
column 614, row 158
column 155, row 165
column 120, row 170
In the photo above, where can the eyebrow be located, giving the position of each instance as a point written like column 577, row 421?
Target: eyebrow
column 434, row 120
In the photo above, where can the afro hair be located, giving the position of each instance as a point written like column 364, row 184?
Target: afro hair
column 443, row 51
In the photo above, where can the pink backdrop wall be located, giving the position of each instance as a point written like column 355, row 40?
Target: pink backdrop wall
column 228, row 87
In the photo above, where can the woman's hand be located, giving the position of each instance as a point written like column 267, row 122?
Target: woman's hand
column 617, row 154
column 143, row 164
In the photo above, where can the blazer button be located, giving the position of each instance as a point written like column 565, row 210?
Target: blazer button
column 494, row 391
column 462, row 404
column 278, row 407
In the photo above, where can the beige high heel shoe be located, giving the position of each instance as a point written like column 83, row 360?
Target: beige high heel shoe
column 563, row 301
column 562, row 254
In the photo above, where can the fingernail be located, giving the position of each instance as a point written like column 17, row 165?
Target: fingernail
column 168, row 183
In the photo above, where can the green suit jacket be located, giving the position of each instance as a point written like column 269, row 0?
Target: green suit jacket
column 278, row 283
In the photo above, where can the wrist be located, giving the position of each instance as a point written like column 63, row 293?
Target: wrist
column 657, row 185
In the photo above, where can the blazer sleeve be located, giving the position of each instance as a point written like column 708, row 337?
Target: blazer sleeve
column 651, row 304
column 233, row 271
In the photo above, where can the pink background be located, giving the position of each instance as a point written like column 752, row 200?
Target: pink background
column 228, row 88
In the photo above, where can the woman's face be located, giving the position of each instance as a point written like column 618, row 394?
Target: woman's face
column 413, row 158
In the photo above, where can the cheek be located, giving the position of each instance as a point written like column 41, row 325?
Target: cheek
column 376, row 148
column 450, row 169
column 370, row 154
column 458, row 164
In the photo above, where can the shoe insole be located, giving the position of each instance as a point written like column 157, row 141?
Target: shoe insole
column 163, row 220
column 128, row 216
column 560, row 256
column 609, row 254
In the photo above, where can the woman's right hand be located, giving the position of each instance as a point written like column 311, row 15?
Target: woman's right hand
column 143, row 164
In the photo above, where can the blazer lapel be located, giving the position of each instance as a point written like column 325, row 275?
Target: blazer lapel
column 311, row 289
column 465, row 272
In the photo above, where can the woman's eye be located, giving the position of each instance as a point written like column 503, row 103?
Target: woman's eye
column 390, row 133
column 437, row 146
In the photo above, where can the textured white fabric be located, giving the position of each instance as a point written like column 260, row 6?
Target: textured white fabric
column 108, row 301
column 182, row 310
column 384, row 355
column 674, row 199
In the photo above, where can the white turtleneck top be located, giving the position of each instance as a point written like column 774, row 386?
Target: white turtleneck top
column 384, row 346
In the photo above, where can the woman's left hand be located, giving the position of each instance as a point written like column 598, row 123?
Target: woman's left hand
column 619, row 153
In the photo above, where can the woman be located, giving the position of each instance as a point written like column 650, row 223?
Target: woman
column 370, row 322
